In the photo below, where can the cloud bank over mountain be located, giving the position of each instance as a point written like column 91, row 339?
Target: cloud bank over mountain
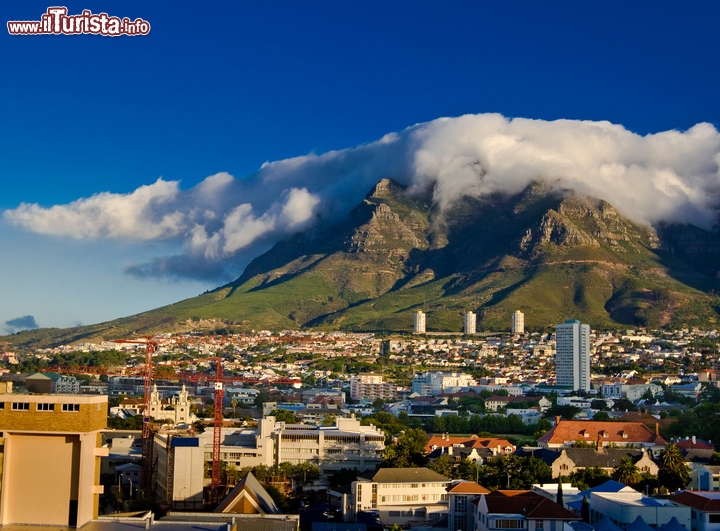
column 671, row 176
column 26, row 322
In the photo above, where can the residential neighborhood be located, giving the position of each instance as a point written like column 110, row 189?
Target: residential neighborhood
column 419, row 431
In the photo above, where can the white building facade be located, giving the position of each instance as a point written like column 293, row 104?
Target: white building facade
column 518, row 322
column 572, row 360
column 470, row 323
column 419, row 324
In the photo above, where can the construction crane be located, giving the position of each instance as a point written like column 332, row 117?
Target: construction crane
column 151, row 347
column 217, row 429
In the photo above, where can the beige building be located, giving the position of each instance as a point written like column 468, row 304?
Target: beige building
column 174, row 409
column 182, row 458
column 402, row 496
column 371, row 386
column 50, row 450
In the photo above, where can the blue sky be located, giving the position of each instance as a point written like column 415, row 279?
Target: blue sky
column 227, row 86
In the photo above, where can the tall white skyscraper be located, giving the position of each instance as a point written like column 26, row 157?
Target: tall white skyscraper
column 470, row 323
column 420, row 322
column 518, row 322
column 572, row 355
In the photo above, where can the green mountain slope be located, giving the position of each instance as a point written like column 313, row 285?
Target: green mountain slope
column 548, row 252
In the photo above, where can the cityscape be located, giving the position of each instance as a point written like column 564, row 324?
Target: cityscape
column 363, row 429
column 360, row 266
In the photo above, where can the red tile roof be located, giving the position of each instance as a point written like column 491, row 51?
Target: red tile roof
column 609, row 432
column 527, row 503
column 702, row 501
column 468, row 487
column 467, row 442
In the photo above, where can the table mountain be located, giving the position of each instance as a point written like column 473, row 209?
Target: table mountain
column 549, row 252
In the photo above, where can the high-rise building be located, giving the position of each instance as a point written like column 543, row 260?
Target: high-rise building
column 470, row 323
column 518, row 322
column 572, row 358
column 420, row 322
column 50, row 450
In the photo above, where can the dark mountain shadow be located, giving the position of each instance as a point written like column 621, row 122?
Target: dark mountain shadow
column 691, row 255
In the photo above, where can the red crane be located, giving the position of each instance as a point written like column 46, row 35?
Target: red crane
column 150, row 347
column 217, row 429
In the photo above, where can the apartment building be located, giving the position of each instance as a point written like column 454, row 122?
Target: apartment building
column 50, row 450
column 436, row 383
column 402, row 496
column 371, row 387
column 183, row 457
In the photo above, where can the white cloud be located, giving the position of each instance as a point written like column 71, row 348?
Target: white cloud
column 672, row 175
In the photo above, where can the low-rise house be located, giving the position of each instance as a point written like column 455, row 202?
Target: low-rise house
column 566, row 432
column 704, row 509
column 52, row 383
column 520, row 509
column 570, row 460
column 496, row 445
column 496, row 402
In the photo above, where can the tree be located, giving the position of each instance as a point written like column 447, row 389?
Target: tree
column 283, row 415
column 626, row 472
column 442, row 465
column 408, row 450
column 234, row 403
column 566, row 412
column 585, row 510
column 306, row 471
column 514, row 472
column 602, row 416
column 261, row 398
column 560, row 500
column 674, row 473
column 599, row 404
column 587, row 478
column 623, row 404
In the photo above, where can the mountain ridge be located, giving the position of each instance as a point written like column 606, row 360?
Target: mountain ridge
column 547, row 251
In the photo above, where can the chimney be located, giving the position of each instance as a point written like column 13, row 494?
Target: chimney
column 694, row 439
column 557, row 420
column 657, row 429
column 450, row 450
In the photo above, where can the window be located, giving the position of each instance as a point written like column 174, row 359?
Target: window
column 21, row 406
column 538, row 524
column 71, row 407
column 42, row 406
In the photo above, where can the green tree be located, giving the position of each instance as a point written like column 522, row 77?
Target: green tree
column 234, row 402
column 283, row 415
column 674, row 473
column 514, row 472
column 306, row 472
column 587, row 478
column 408, row 450
column 442, row 465
column 623, row 404
column 626, row 472
column 599, row 404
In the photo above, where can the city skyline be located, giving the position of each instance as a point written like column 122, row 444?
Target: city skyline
column 116, row 151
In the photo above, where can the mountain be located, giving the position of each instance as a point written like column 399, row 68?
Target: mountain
column 549, row 252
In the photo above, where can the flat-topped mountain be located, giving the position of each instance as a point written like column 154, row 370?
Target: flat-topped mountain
column 548, row 252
